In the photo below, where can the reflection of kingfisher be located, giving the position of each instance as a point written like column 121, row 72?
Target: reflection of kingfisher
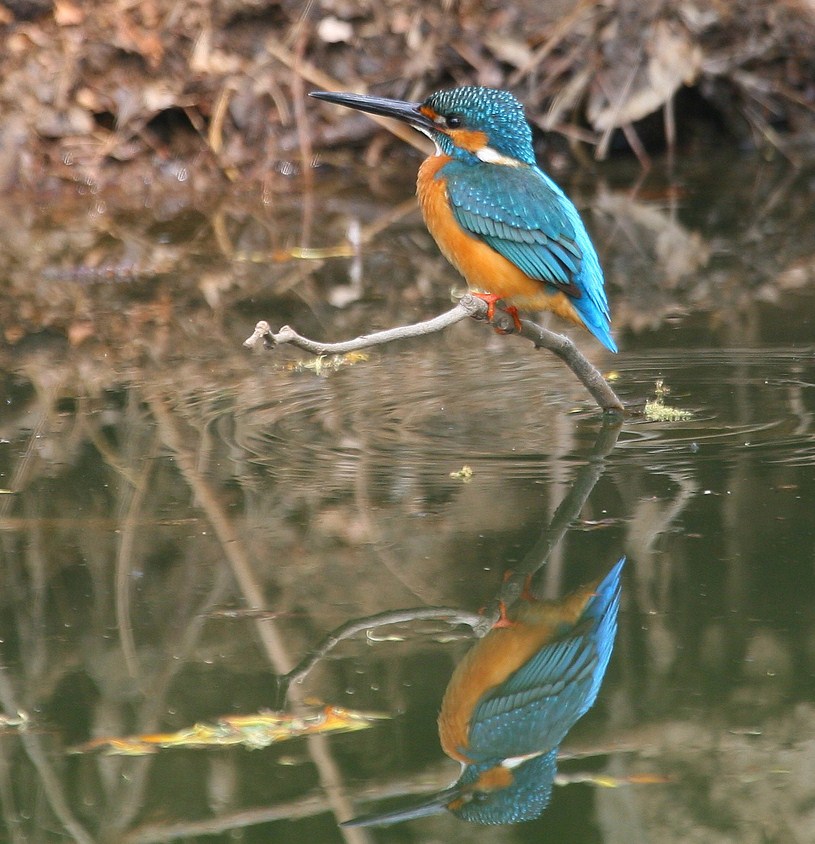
column 497, row 217
column 513, row 698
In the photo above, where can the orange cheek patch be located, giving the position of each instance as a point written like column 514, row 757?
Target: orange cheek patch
column 468, row 139
column 494, row 779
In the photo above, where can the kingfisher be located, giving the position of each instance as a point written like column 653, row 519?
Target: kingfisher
column 512, row 700
column 496, row 216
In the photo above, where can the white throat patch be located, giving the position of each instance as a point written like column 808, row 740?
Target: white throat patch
column 430, row 135
column 491, row 156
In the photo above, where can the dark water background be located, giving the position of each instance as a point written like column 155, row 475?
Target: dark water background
column 159, row 480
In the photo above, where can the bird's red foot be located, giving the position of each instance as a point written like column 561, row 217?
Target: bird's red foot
column 491, row 299
column 513, row 312
column 503, row 620
column 527, row 594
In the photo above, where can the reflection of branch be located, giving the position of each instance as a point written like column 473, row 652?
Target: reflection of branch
column 434, row 777
column 230, row 822
column 566, row 513
column 43, row 762
column 131, row 503
column 479, row 623
column 241, row 566
column 568, row 510
column 468, row 306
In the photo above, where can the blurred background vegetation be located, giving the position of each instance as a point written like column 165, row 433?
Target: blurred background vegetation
column 209, row 90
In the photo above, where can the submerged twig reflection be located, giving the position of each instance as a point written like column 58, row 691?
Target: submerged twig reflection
column 566, row 513
column 570, row 644
column 479, row 623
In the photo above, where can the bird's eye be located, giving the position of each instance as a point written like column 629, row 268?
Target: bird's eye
column 453, row 121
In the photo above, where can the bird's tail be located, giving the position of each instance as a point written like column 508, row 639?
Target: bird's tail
column 603, row 334
column 592, row 306
column 606, row 596
column 601, row 610
column 595, row 318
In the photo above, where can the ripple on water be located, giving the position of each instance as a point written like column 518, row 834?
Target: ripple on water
column 759, row 401
column 406, row 417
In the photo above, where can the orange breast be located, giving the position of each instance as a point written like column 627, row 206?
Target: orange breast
column 487, row 664
column 485, row 270
column 501, row 653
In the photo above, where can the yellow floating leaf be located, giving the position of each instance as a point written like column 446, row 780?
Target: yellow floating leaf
column 259, row 729
column 657, row 411
column 464, row 474
column 329, row 363
column 117, row 746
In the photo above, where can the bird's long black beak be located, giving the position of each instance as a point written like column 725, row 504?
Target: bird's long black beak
column 398, row 109
column 433, row 806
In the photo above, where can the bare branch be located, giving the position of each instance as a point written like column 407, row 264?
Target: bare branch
column 468, row 306
column 418, row 329
column 479, row 623
column 588, row 374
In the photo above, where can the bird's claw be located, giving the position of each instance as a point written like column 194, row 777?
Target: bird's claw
column 504, row 620
column 491, row 299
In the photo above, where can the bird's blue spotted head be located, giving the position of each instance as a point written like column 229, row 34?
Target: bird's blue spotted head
column 470, row 124
column 506, row 795
column 485, row 123
column 493, row 793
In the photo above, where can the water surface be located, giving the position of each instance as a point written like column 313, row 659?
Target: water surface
column 159, row 481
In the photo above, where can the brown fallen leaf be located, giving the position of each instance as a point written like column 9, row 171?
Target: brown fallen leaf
column 672, row 60
column 68, row 14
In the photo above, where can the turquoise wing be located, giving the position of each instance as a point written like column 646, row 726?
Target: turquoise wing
column 520, row 215
column 539, row 703
column 524, row 216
